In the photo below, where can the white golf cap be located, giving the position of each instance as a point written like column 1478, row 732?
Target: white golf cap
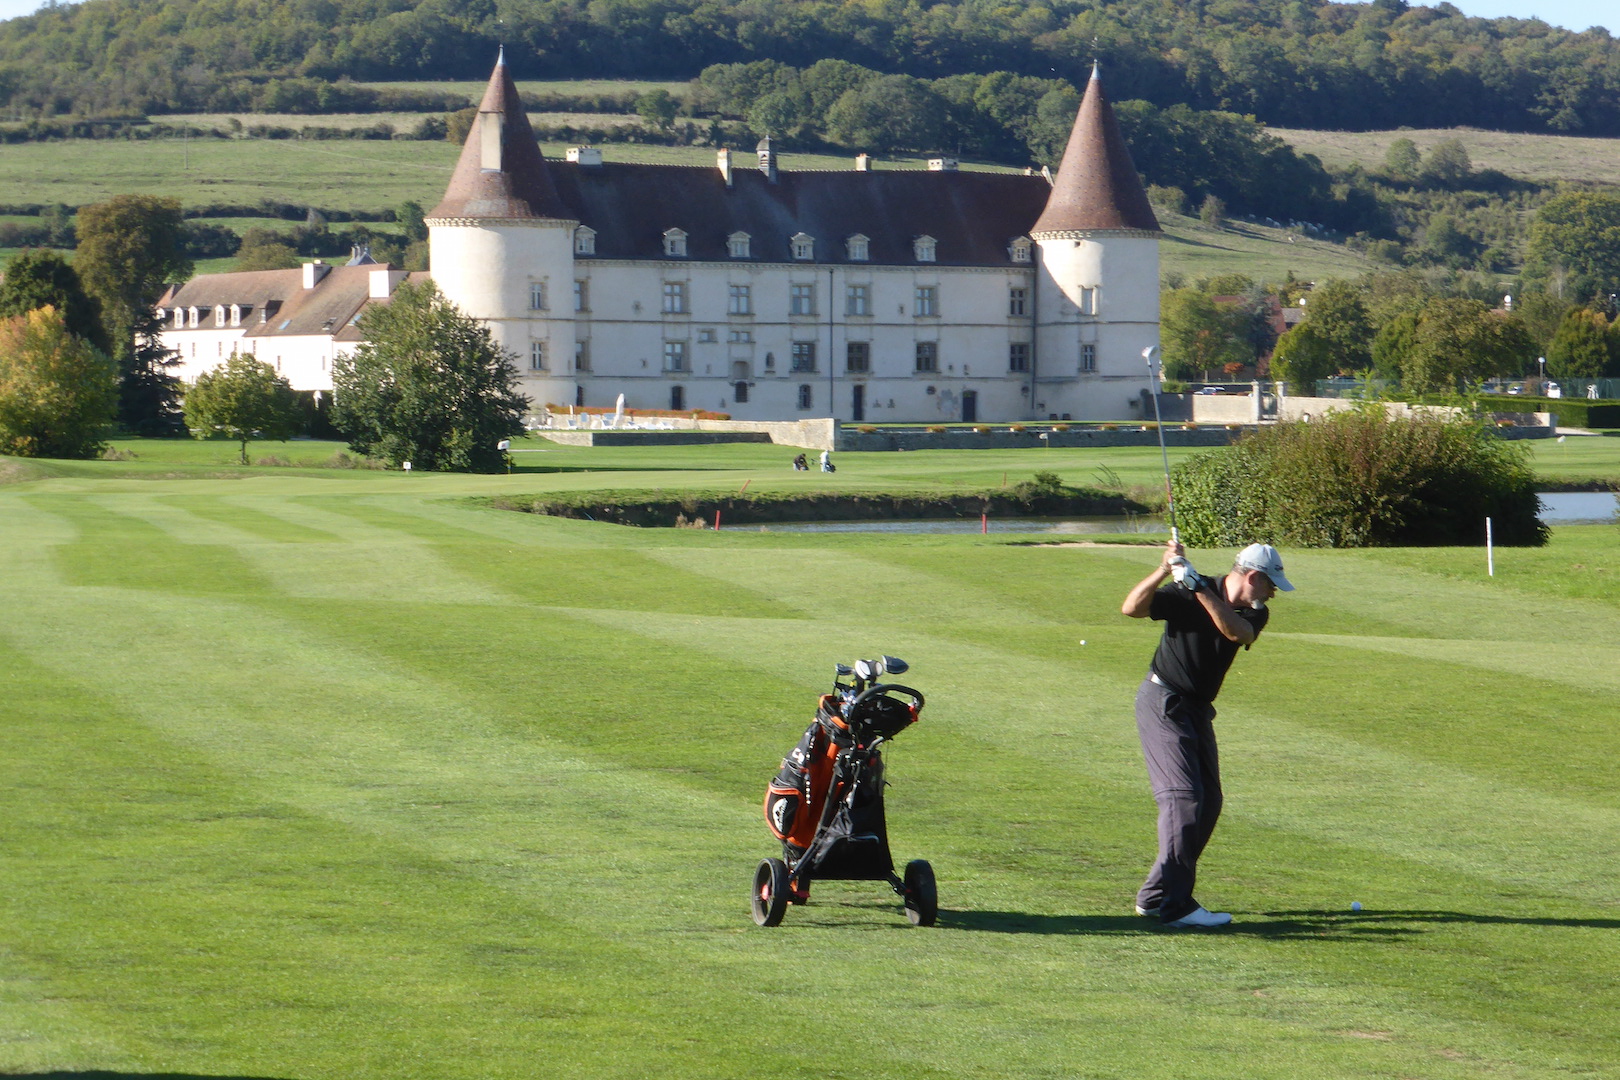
column 1264, row 558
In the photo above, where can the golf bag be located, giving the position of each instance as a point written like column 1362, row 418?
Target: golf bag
column 825, row 804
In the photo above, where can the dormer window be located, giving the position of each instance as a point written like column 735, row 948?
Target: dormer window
column 219, row 315
column 179, row 318
column 804, row 246
column 858, row 248
column 675, row 243
column 923, row 248
column 236, row 314
column 740, row 245
column 1020, row 249
column 584, row 240
column 192, row 317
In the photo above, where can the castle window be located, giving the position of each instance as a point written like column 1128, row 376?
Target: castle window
column 739, row 245
column 740, row 337
column 191, row 314
column 927, row 300
column 179, row 318
column 806, row 396
column 674, row 298
column 1015, row 301
column 1018, row 356
column 739, row 300
column 677, row 398
column 858, row 357
column 582, row 356
column 675, row 356
column 1088, row 301
column 858, row 300
column 739, row 393
column 675, row 243
column 923, row 248
column 1088, row 357
column 804, row 356
column 582, row 296
column 706, row 334
column 858, row 248
column 219, row 315
column 584, row 240
column 537, row 356
column 927, row 356
column 801, row 299
column 1020, row 249
column 804, row 246
column 537, row 296
column 236, row 314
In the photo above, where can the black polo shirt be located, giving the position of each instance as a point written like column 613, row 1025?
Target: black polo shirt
column 1193, row 655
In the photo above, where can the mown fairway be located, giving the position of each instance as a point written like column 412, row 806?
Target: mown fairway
column 330, row 774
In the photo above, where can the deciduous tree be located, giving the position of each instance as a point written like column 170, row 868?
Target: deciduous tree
column 1576, row 239
column 1583, row 347
column 244, row 399
column 130, row 247
column 41, row 278
column 58, row 393
column 428, row 385
column 1198, row 335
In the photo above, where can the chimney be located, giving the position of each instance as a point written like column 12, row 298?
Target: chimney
column 722, row 159
column 942, row 164
column 385, row 280
column 588, row 156
column 863, row 162
column 313, row 272
column 767, row 159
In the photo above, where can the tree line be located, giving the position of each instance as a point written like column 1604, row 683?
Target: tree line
column 1286, row 62
column 1431, row 330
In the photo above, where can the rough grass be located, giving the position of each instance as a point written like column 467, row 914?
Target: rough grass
column 340, row 775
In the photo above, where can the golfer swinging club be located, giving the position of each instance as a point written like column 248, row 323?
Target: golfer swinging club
column 1204, row 623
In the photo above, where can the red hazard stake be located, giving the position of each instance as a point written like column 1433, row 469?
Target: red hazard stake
column 984, row 522
column 717, row 521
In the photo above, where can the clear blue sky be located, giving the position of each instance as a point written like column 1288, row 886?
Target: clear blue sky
column 1574, row 14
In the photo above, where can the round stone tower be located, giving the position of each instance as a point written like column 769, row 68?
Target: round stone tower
column 1097, row 285
column 502, row 244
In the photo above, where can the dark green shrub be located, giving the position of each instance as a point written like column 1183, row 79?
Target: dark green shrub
column 1361, row 479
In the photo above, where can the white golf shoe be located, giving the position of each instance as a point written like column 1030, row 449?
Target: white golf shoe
column 1201, row 918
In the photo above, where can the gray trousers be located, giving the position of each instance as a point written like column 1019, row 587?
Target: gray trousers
column 1178, row 743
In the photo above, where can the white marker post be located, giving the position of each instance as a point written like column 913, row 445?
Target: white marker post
column 1490, row 551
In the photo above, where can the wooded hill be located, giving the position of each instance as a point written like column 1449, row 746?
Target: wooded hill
column 1286, row 62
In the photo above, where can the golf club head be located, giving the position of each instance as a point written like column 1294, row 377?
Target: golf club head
column 843, row 670
column 892, row 665
column 867, row 670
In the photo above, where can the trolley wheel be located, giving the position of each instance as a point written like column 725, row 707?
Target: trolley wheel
column 771, row 889
column 922, row 895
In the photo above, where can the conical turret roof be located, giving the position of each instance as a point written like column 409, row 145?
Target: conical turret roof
column 501, row 173
column 1096, row 187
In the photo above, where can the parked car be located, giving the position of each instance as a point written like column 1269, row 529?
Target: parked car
column 1211, row 390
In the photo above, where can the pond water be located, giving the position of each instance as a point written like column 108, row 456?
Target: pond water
column 1557, row 508
column 1577, row 507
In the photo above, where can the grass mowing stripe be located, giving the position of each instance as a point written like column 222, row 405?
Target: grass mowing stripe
column 262, row 524
column 583, row 784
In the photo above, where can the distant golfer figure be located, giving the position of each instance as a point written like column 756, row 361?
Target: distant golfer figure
column 1205, row 620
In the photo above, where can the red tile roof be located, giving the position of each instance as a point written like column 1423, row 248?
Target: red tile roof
column 521, row 187
column 1097, row 187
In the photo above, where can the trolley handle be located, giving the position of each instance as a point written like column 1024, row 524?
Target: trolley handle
column 878, row 690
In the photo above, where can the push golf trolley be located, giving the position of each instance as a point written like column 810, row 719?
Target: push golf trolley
column 826, row 805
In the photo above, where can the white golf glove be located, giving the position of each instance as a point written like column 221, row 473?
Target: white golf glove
column 1182, row 572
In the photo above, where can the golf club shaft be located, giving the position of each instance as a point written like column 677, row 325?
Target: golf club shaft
column 1164, row 455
